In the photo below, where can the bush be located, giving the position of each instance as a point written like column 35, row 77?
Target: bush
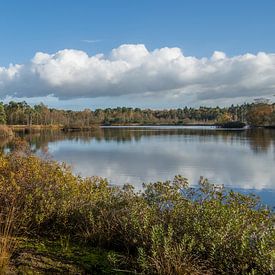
column 168, row 228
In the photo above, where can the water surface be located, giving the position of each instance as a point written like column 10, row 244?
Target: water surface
column 240, row 159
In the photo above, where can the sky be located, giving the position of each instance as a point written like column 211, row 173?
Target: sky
column 137, row 53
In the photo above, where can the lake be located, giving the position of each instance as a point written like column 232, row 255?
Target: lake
column 243, row 160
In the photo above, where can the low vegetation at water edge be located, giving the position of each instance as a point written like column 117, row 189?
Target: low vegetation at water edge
column 86, row 226
column 5, row 131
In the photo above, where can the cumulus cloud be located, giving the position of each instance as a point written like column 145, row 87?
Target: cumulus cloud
column 134, row 70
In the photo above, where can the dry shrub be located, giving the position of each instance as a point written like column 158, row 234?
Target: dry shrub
column 5, row 131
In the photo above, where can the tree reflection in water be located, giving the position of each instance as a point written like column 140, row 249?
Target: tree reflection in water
column 260, row 140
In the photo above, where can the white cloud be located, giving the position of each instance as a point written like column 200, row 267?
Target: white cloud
column 133, row 70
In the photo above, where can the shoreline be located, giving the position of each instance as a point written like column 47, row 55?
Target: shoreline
column 102, row 126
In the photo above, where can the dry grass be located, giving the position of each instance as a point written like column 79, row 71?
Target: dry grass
column 8, row 242
column 5, row 131
column 34, row 127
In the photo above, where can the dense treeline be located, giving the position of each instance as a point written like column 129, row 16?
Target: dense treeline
column 21, row 113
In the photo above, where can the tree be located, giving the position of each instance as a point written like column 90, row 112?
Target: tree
column 223, row 118
column 2, row 114
column 259, row 115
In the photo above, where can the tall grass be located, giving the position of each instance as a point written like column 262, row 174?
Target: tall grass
column 5, row 131
column 168, row 228
column 8, row 241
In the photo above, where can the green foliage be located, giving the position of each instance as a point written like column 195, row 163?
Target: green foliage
column 168, row 228
column 88, row 259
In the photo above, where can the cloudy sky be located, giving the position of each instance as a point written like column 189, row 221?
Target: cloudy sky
column 145, row 53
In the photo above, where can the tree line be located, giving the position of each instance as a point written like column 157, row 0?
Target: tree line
column 21, row 113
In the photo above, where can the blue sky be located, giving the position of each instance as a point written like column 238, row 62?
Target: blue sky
column 197, row 27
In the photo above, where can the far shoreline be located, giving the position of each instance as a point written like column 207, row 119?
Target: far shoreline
column 35, row 127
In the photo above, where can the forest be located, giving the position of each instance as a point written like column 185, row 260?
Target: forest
column 21, row 113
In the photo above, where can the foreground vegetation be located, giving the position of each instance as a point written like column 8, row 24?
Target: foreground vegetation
column 84, row 225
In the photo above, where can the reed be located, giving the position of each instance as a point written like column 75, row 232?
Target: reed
column 5, row 131
column 8, row 242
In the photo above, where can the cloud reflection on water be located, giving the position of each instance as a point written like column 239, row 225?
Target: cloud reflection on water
column 239, row 159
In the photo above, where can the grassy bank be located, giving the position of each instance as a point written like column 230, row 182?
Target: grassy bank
column 65, row 128
column 68, row 224
column 34, row 127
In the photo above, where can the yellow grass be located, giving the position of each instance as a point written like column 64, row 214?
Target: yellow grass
column 34, row 127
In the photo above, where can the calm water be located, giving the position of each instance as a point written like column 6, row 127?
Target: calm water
column 243, row 160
